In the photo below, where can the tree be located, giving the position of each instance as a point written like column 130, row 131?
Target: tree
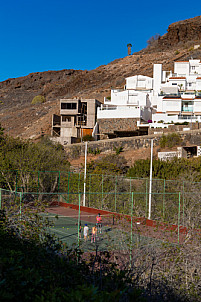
column 129, row 48
column 151, row 41
column 23, row 164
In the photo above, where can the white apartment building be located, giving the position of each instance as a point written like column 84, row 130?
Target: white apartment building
column 168, row 96
column 133, row 102
column 179, row 98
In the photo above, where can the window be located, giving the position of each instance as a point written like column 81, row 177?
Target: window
column 189, row 84
column 70, row 106
column 193, row 67
column 66, row 118
column 174, row 83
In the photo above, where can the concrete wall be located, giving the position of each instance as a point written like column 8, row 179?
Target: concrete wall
column 131, row 143
column 119, row 112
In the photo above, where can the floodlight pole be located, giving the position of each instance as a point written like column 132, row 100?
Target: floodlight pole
column 150, row 179
column 85, row 174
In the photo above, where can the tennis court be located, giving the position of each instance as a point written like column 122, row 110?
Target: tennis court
column 116, row 233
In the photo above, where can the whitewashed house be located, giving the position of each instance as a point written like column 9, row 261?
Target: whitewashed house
column 167, row 97
column 121, row 114
column 179, row 99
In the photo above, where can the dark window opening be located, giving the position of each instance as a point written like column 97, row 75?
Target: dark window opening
column 56, row 131
column 84, row 107
column 70, row 106
column 66, row 118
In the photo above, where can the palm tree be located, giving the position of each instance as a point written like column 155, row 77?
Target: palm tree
column 129, row 48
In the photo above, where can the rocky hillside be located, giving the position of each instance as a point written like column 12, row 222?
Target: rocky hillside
column 21, row 118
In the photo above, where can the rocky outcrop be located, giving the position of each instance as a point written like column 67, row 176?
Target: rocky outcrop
column 182, row 32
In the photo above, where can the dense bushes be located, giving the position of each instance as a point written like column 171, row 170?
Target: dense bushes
column 18, row 160
column 166, row 169
column 34, row 271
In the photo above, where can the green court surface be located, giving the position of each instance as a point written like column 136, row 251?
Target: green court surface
column 112, row 237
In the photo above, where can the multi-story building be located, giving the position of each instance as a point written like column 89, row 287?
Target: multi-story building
column 77, row 118
column 167, row 97
column 179, row 98
column 120, row 114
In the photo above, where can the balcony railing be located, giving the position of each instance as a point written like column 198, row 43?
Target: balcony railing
column 187, row 109
column 187, row 117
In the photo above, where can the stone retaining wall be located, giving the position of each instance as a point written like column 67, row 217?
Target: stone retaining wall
column 131, row 143
column 115, row 124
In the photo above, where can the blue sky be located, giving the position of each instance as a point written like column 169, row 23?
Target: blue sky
column 53, row 35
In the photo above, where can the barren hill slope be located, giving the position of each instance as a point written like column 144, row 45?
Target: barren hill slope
column 21, row 118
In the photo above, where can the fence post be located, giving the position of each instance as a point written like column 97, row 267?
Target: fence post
column 146, row 197
column 59, row 181
column 16, row 183
column 131, row 240
column 20, row 206
column 78, row 223
column 183, row 204
column 102, row 192
column 38, row 180
column 115, row 206
column 179, row 217
column 68, row 185
column 89, row 189
column 164, row 199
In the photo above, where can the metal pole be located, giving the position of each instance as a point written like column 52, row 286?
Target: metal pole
column 89, row 189
column 85, row 175
column 102, row 193
column 58, row 187
column 131, row 243
column 183, row 204
column 59, row 181
column 38, row 181
column 164, row 199
column 115, row 206
column 16, row 184
column 78, row 187
column 150, row 179
column 179, row 217
column 20, row 206
column 146, row 196
column 78, row 228
column 68, row 185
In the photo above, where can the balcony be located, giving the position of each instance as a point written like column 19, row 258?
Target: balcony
column 187, row 109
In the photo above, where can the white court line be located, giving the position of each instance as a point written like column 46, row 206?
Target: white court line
column 62, row 232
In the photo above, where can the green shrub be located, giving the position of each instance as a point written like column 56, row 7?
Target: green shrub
column 118, row 150
column 170, row 140
column 184, row 123
column 94, row 151
column 87, row 138
column 38, row 99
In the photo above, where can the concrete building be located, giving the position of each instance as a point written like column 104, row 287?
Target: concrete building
column 77, row 118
